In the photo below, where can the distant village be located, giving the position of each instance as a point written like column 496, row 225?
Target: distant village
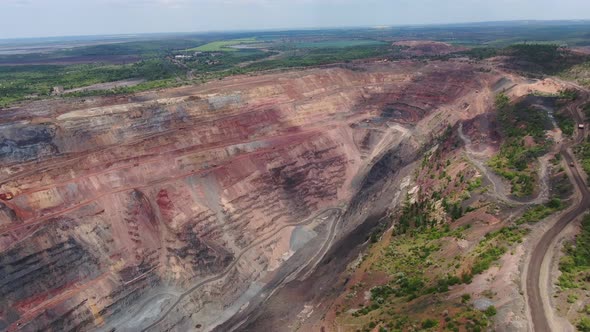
column 196, row 55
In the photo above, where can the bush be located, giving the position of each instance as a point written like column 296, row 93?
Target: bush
column 572, row 298
column 490, row 311
column 540, row 212
column 429, row 323
column 465, row 298
column 584, row 324
column 466, row 278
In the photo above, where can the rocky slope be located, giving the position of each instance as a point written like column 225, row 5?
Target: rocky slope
column 175, row 206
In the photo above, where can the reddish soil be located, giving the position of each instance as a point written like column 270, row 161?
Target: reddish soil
column 164, row 188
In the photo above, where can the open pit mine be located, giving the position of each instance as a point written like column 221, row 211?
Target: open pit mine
column 187, row 209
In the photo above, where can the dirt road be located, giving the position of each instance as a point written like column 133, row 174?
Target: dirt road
column 229, row 268
column 540, row 321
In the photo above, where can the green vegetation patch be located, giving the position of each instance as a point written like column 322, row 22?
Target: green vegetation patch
column 480, row 53
column 566, row 124
column 583, row 153
column 546, row 56
column 406, row 259
column 540, row 212
column 321, row 56
column 412, row 260
column 19, row 82
column 575, row 265
column 224, row 45
column 226, row 61
column 493, row 246
column 523, row 129
column 579, row 73
column 575, row 272
column 537, row 59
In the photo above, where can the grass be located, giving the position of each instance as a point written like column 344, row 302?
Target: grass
column 575, row 264
column 493, row 246
column 583, row 153
column 540, row 212
column 574, row 279
column 579, row 73
column 411, row 261
column 223, row 45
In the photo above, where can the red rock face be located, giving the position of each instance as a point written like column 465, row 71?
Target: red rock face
column 115, row 197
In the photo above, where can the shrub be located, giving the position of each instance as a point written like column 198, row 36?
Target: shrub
column 572, row 298
column 465, row 298
column 490, row 311
column 485, row 259
column 584, row 324
column 429, row 323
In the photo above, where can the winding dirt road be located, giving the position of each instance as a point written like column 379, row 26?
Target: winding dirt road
column 540, row 321
column 236, row 261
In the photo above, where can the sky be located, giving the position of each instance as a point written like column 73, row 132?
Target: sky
column 41, row 18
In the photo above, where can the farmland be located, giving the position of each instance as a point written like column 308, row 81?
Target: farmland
column 223, row 45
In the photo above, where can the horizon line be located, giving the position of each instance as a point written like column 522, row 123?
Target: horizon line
column 286, row 29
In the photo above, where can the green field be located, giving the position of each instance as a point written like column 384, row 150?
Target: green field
column 223, row 45
column 339, row 43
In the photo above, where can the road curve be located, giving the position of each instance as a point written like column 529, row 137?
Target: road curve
column 234, row 263
column 242, row 317
column 540, row 323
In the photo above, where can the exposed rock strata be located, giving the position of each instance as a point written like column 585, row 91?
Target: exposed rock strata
column 117, row 199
